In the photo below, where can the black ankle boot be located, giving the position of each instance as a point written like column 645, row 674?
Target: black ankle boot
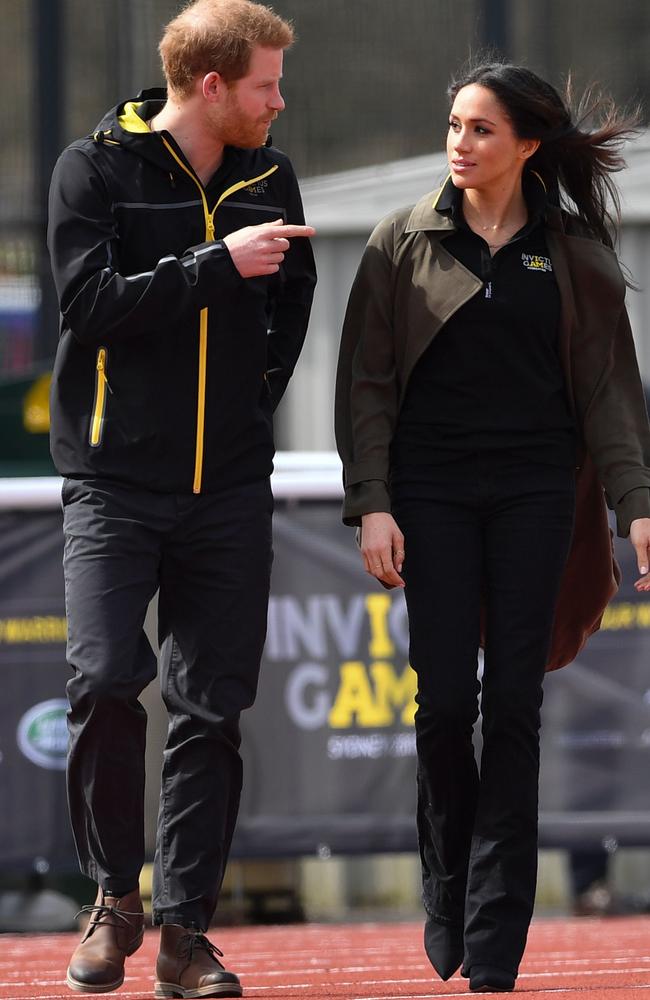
column 485, row 979
column 443, row 944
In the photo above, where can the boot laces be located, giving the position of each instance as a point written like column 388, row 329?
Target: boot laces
column 98, row 912
column 190, row 942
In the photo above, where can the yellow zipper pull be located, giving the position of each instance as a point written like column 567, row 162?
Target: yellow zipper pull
column 101, row 367
column 210, row 227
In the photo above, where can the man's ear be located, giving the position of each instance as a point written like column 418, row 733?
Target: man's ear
column 213, row 86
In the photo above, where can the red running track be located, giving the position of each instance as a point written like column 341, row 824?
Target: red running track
column 602, row 959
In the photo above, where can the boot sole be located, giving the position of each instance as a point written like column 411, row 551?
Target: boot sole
column 492, row 989
column 163, row 991
column 80, row 987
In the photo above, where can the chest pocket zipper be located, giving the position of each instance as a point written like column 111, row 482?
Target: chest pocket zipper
column 99, row 405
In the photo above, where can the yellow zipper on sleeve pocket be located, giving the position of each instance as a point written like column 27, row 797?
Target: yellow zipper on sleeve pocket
column 99, row 406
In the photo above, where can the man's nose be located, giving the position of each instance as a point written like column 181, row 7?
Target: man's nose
column 277, row 100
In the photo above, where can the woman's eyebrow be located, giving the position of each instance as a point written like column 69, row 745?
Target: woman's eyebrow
column 474, row 120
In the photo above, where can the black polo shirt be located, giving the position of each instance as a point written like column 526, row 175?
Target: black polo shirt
column 491, row 379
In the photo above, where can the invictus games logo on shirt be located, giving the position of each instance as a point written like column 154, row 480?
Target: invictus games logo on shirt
column 43, row 734
column 536, row 262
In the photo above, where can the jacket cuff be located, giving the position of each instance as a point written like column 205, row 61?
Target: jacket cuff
column 628, row 482
column 635, row 503
column 370, row 497
column 357, row 473
column 212, row 250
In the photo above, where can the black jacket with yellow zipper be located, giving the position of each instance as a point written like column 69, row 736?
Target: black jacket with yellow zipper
column 169, row 362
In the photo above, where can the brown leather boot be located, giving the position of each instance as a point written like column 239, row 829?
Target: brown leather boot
column 115, row 930
column 188, row 966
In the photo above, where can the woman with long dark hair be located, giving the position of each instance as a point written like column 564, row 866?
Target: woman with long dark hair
column 488, row 404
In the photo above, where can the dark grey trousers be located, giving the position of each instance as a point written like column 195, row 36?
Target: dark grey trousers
column 210, row 557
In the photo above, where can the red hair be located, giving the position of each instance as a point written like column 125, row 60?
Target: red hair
column 218, row 35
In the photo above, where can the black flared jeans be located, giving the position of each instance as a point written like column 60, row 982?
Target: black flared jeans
column 486, row 532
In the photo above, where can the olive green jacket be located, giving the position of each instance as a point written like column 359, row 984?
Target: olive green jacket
column 407, row 287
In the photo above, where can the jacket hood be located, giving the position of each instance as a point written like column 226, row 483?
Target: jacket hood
column 126, row 125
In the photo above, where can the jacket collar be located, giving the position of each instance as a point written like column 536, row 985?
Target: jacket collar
column 127, row 125
column 426, row 214
column 437, row 210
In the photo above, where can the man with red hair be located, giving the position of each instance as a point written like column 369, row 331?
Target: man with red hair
column 185, row 281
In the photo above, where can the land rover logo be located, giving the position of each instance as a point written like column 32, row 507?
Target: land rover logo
column 43, row 734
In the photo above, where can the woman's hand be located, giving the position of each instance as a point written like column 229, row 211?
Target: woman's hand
column 640, row 538
column 382, row 548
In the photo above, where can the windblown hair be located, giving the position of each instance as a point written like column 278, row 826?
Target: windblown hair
column 580, row 144
column 218, row 35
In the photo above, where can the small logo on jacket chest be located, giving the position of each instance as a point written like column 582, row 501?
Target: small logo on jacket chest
column 259, row 187
column 536, row 262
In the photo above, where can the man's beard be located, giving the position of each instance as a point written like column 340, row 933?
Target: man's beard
column 233, row 128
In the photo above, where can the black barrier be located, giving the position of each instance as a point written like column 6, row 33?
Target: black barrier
column 34, row 829
column 329, row 746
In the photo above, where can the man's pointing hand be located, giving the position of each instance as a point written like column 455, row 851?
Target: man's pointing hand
column 258, row 250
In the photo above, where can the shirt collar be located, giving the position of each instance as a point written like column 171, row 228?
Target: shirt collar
column 535, row 191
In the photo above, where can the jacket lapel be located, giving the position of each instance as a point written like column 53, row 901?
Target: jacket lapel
column 431, row 284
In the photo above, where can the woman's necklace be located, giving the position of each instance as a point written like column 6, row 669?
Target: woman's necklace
column 497, row 225
column 509, row 228
column 502, row 243
column 493, row 247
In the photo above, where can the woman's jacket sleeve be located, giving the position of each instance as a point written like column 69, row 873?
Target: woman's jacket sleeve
column 615, row 428
column 366, row 385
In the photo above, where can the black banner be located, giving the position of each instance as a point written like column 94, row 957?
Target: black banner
column 34, row 828
column 329, row 747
